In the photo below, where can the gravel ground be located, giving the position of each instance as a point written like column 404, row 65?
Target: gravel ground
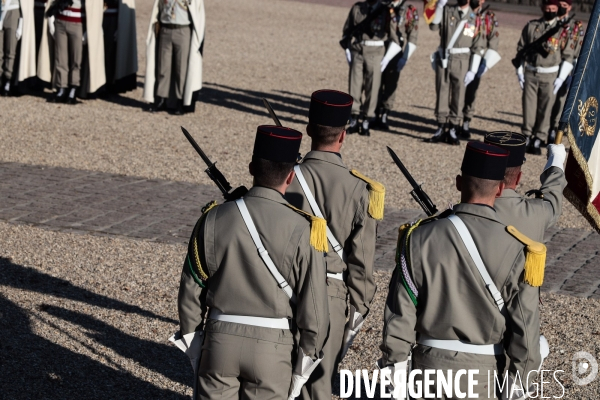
column 85, row 316
column 281, row 50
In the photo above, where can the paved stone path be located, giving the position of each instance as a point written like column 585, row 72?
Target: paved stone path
column 76, row 201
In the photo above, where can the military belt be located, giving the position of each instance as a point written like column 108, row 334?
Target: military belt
column 174, row 26
column 275, row 323
column 459, row 50
column 543, row 70
column 457, row 345
column 373, row 43
column 339, row 275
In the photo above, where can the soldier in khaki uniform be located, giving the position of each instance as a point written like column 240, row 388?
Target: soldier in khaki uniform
column 576, row 33
column 456, row 328
column 542, row 74
column 489, row 35
column 532, row 216
column 368, row 57
column 351, row 204
column 254, row 297
column 455, row 62
column 407, row 22
column 11, row 30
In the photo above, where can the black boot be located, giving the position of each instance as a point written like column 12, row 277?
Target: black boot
column 534, row 146
column 452, row 137
column 5, row 89
column 72, row 97
column 59, row 96
column 160, row 104
column 364, row 128
column 179, row 109
column 383, row 120
column 438, row 136
column 353, row 126
column 465, row 132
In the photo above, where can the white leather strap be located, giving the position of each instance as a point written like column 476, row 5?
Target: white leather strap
column 262, row 252
column 543, row 70
column 276, row 323
column 339, row 275
column 457, row 32
column 373, row 43
column 472, row 249
column 457, row 345
column 459, row 50
column 317, row 211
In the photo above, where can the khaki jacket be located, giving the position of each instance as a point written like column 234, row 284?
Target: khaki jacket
column 239, row 283
column 533, row 216
column 489, row 30
column 470, row 37
column 452, row 301
column 344, row 201
column 556, row 49
column 407, row 18
column 381, row 28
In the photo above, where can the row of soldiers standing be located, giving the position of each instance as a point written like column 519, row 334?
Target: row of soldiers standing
column 276, row 284
column 377, row 49
column 83, row 47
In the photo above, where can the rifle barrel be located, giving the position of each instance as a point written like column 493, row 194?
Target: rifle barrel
column 196, row 147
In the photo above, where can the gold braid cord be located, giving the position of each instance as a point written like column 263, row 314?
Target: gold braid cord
column 193, row 253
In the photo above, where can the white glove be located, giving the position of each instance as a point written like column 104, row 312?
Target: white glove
column 349, row 56
column 392, row 51
column 558, row 82
column 491, row 58
column 441, row 3
column 304, row 367
column 469, row 77
column 51, row 27
column 191, row 345
column 19, row 33
column 353, row 326
column 521, row 77
column 439, row 12
column 400, row 392
column 557, row 155
column 84, row 38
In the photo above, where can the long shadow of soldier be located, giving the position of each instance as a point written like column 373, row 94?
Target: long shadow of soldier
column 34, row 367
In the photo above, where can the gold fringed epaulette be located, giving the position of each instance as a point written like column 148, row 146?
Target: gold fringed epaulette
column 535, row 260
column 318, row 230
column 376, row 195
column 193, row 256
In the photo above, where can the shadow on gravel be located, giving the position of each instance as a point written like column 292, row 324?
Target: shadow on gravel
column 246, row 100
column 30, row 279
column 33, row 367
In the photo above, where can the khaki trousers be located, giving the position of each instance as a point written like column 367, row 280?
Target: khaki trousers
column 174, row 51
column 431, row 358
column 450, row 88
column 559, row 103
column 538, row 100
column 8, row 43
column 247, row 363
column 389, row 84
column 68, row 53
column 365, row 76
column 319, row 384
column 470, row 95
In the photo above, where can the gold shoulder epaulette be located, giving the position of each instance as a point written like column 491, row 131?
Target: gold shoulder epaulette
column 318, row 230
column 193, row 256
column 376, row 195
column 535, row 260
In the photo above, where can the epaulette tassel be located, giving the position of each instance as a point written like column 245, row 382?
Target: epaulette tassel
column 376, row 195
column 318, row 230
column 535, row 260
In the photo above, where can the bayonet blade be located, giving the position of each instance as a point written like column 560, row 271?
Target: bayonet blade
column 271, row 112
column 407, row 174
column 196, row 147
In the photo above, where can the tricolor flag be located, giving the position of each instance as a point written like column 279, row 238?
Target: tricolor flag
column 429, row 10
column 580, row 121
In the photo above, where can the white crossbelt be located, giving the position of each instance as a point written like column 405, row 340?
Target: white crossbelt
column 543, row 70
column 457, row 32
column 459, row 50
column 72, row 14
column 372, row 43
column 262, row 252
column 317, row 211
column 457, row 345
column 276, row 323
column 467, row 239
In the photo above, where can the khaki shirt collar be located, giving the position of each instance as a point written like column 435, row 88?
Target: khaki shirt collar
column 477, row 210
column 509, row 193
column 326, row 156
column 266, row 193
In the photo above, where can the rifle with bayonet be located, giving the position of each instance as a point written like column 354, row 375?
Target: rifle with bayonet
column 536, row 45
column 271, row 112
column 417, row 193
column 214, row 174
column 357, row 29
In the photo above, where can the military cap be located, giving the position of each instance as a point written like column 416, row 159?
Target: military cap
column 515, row 143
column 330, row 108
column 484, row 161
column 276, row 143
column 569, row 2
column 551, row 3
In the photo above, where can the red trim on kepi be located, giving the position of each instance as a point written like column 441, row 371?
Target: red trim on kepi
column 277, row 143
column 330, row 108
column 485, row 161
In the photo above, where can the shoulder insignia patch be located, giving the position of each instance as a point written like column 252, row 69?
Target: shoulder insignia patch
column 193, row 255
column 535, row 260
column 376, row 195
column 318, row 229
